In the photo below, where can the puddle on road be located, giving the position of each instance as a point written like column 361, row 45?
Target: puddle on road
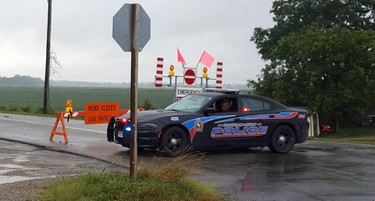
column 6, row 168
column 21, row 158
column 11, row 166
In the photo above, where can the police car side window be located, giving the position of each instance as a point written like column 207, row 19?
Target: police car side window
column 226, row 105
column 253, row 104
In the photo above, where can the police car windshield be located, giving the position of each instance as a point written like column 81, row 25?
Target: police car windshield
column 190, row 103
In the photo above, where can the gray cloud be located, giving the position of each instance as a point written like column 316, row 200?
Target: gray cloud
column 82, row 37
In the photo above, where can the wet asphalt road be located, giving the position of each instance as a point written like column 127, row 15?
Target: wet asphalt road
column 313, row 171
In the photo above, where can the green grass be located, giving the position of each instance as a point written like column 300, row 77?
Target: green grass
column 30, row 99
column 351, row 135
column 164, row 181
column 118, row 186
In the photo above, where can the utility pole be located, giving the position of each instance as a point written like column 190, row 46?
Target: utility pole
column 48, row 59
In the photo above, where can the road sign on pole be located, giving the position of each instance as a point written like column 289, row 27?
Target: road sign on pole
column 131, row 30
column 189, row 76
column 121, row 30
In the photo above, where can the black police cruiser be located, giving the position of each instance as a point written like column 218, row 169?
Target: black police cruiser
column 215, row 119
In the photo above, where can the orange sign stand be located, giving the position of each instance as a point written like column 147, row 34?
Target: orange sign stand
column 60, row 117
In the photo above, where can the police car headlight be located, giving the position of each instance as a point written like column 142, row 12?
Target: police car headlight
column 147, row 126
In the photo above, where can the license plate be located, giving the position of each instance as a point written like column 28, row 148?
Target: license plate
column 120, row 134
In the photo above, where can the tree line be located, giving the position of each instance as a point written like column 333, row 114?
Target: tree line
column 19, row 80
column 320, row 54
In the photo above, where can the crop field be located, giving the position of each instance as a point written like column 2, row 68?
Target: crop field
column 32, row 97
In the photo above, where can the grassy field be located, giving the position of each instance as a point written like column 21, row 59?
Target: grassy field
column 31, row 98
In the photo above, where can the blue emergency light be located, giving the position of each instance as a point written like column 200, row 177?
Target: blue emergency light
column 128, row 129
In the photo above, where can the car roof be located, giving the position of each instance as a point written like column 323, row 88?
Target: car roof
column 225, row 94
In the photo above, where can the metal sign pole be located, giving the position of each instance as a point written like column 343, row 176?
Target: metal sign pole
column 134, row 88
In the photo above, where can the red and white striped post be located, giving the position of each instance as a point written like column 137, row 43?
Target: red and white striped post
column 159, row 72
column 219, row 75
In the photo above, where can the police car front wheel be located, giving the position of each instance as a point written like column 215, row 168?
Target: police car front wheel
column 110, row 129
column 173, row 141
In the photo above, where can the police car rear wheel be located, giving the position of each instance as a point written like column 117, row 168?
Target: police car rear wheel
column 282, row 139
column 173, row 141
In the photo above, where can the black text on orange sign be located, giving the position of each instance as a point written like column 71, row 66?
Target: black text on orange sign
column 99, row 113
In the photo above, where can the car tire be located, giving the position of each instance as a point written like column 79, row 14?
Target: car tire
column 173, row 141
column 110, row 128
column 282, row 140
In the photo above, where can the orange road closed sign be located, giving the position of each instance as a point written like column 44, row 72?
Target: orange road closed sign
column 101, row 113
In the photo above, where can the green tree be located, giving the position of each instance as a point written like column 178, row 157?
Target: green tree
column 146, row 105
column 321, row 54
column 294, row 15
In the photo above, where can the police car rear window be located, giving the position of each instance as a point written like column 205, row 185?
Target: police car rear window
column 255, row 104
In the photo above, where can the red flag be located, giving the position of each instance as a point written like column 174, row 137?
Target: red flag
column 206, row 59
column 180, row 58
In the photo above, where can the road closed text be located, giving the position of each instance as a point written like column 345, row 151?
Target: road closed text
column 102, row 108
column 100, row 113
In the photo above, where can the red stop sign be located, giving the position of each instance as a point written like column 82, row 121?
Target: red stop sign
column 189, row 77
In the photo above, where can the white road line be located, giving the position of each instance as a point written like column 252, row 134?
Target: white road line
column 43, row 124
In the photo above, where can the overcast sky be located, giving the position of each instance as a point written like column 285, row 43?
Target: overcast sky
column 82, row 38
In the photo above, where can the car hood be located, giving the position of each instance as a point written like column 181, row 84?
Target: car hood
column 150, row 115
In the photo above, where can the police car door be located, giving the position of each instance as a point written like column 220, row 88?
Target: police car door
column 219, row 130
column 256, row 120
column 248, row 125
